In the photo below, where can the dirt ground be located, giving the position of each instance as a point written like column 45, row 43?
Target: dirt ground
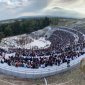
column 71, row 77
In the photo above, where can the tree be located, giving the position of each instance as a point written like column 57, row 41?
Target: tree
column 1, row 35
column 8, row 31
column 46, row 22
column 0, row 29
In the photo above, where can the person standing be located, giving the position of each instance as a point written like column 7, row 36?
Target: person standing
column 68, row 62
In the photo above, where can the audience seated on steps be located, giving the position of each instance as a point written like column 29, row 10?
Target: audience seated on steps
column 57, row 53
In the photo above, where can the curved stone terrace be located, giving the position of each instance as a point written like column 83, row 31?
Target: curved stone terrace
column 40, row 72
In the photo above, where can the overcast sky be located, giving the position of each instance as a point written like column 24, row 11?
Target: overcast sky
column 65, row 8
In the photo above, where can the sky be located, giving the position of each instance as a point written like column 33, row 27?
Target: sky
column 62, row 8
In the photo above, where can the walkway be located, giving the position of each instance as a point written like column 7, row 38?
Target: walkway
column 38, row 73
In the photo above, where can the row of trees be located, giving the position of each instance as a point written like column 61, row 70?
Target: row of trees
column 24, row 26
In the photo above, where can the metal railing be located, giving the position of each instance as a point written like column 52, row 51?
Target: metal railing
column 38, row 73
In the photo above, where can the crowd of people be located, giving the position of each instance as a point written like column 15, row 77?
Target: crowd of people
column 76, row 30
column 48, row 59
column 61, row 38
column 58, row 52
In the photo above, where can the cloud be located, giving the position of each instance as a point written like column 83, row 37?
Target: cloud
column 17, row 8
column 64, row 13
column 59, row 8
column 68, row 1
column 35, row 6
column 12, row 3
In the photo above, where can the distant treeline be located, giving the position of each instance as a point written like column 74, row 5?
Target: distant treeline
column 25, row 26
